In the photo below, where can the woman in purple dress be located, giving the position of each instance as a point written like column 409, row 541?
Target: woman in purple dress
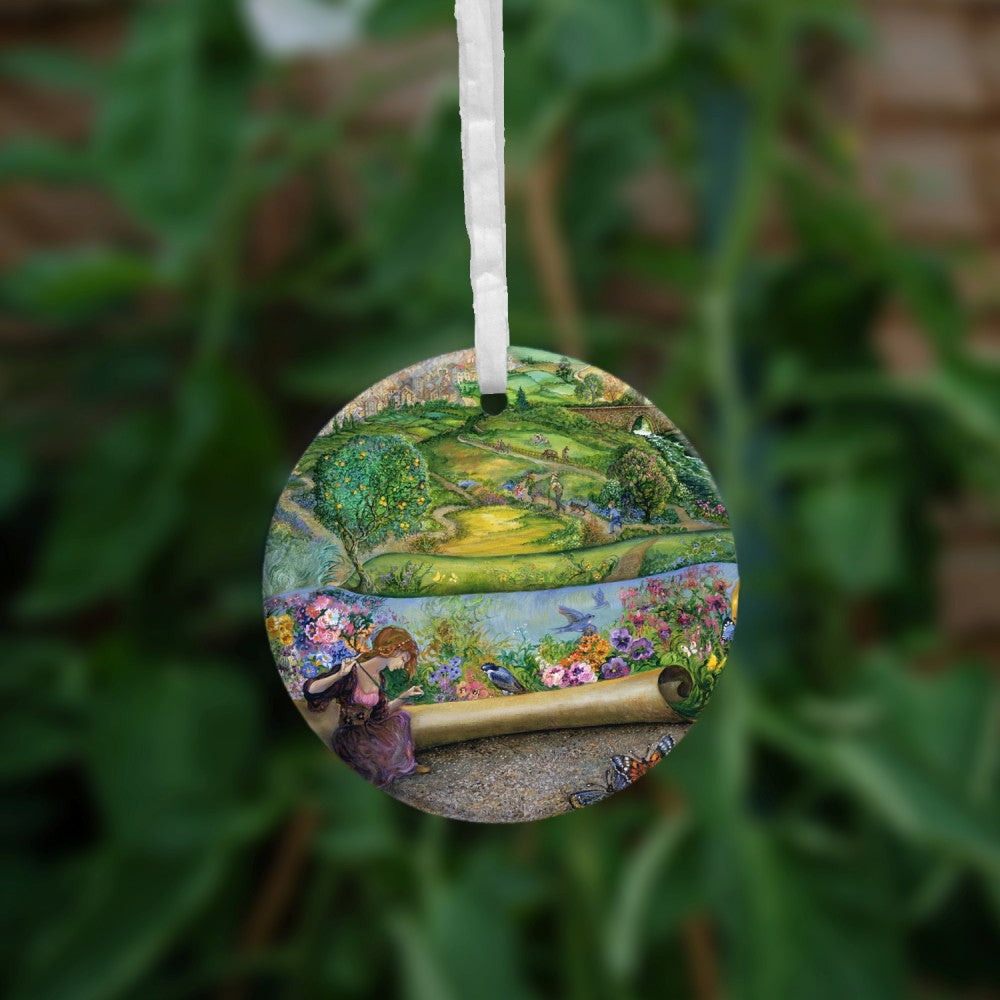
column 373, row 734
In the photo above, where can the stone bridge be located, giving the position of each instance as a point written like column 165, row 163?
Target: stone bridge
column 626, row 417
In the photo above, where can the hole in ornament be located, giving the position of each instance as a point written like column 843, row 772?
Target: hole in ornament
column 494, row 403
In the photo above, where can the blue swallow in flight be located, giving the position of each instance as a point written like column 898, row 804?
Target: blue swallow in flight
column 576, row 621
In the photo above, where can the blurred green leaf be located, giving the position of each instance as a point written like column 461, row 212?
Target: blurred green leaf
column 52, row 68
column 169, row 132
column 593, row 42
column 175, row 791
column 853, row 528
column 74, row 284
column 42, row 160
column 125, row 917
column 115, row 511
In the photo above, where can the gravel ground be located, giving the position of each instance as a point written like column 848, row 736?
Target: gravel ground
column 509, row 779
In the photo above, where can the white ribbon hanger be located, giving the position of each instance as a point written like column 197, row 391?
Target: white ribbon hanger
column 480, row 71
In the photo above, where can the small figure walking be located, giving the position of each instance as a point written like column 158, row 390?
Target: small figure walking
column 557, row 493
column 565, row 453
column 615, row 516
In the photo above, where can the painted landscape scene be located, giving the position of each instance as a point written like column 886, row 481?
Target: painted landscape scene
column 500, row 617
column 580, row 480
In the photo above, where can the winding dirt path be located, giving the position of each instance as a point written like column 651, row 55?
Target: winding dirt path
column 630, row 564
column 448, row 527
column 452, row 487
column 566, row 466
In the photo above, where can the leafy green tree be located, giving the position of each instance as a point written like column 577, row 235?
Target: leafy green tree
column 590, row 389
column 564, row 371
column 371, row 489
column 521, row 402
column 644, row 481
column 610, row 491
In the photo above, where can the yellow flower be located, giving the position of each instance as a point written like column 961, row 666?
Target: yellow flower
column 736, row 600
column 714, row 663
column 404, row 525
column 420, row 500
column 280, row 627
column 339, row 505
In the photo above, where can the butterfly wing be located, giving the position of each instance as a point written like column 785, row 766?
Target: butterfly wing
column 660, row 751
column 587, row 797
column 625, row 770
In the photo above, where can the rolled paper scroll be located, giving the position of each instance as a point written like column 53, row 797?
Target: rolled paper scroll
column 641, row 697
column 644, row 697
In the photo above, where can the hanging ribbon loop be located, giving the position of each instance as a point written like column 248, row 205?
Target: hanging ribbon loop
column 480, row 71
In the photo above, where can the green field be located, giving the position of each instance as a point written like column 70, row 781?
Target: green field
column 532, row 571
column 469, row 542
column 499, row 531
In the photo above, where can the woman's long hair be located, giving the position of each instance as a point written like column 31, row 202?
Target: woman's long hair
column 390, row 641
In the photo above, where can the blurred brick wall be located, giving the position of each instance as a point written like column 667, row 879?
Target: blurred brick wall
column 929, row 126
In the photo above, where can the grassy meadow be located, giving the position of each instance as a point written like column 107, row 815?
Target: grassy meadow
column 475, row 533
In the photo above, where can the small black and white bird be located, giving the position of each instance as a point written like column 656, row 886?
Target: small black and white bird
column 600, row 601
column 576, row 621
column 503, row 679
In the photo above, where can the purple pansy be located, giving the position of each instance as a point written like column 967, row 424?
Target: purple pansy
column 615, row 667
column 641, row 649
column 621, row 639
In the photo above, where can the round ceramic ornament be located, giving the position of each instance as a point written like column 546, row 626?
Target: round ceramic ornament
column 502, row 617
column 499, row 584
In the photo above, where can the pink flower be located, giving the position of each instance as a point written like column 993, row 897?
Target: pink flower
column 580, row 673
column 471, row 690
column 326, row 628
column 553, row 675
column 318, row 605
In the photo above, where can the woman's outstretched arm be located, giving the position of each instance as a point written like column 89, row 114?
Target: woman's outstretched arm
column 319, row 684
column 397, row 703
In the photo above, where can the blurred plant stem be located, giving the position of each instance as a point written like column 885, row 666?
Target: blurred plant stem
column 277, row 890
column 542, row 188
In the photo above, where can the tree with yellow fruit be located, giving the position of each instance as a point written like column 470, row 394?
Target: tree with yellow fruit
column 370, row 490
